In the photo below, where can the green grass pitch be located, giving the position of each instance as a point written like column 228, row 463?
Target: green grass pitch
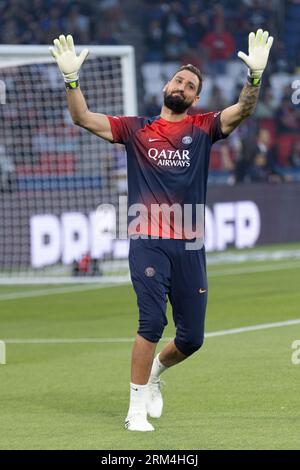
column 240, row 391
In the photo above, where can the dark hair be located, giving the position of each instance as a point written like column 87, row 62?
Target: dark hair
column 194, row 70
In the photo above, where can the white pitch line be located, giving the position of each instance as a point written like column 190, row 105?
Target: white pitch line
column 58, row 290
column 65, row 290
column 67, row 340
column 244, row 329
column 212, row 334
column 254, row 269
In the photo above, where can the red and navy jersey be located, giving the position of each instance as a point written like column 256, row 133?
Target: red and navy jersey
column 167, row 162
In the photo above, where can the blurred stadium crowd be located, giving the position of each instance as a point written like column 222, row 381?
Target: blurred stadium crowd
column 206, row 33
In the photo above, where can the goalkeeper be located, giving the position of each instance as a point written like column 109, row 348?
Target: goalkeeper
column 167, row 160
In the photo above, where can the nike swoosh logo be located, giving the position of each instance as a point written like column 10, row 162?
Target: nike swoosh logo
column 153, row 140
column 202, row 291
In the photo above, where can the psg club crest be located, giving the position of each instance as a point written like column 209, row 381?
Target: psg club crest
column 187, row 140
column 150, row 271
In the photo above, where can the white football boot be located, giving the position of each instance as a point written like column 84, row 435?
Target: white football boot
column 155, row 400
column 137, row 421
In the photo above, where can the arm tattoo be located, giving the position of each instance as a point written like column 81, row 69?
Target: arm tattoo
column 248, row 99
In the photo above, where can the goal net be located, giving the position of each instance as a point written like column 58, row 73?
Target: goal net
column 62, row 189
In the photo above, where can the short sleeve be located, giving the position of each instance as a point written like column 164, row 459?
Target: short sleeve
column 211, row 124
column 122, row 127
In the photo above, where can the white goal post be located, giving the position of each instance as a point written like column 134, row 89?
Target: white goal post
column 55, row 175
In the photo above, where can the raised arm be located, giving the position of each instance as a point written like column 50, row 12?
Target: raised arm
column 256, row 60
column 69, row 64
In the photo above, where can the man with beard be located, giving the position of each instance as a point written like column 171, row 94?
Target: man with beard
column 167, row 159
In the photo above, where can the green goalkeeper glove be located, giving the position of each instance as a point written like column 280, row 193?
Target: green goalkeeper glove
column 257, row 58
column 67, row 60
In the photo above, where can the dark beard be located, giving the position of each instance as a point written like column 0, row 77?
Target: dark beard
column 176, row 103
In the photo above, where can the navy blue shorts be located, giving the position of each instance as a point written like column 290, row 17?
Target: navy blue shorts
column 163, row 268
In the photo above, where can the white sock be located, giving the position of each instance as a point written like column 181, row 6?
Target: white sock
column 138, row 398
column 157, row 369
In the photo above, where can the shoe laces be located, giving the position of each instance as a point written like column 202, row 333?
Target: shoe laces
column 136, row 414
column 155, row 387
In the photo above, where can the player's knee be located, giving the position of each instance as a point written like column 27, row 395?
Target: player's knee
column 190, row 345
column 151, row 329
column 196, row 344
